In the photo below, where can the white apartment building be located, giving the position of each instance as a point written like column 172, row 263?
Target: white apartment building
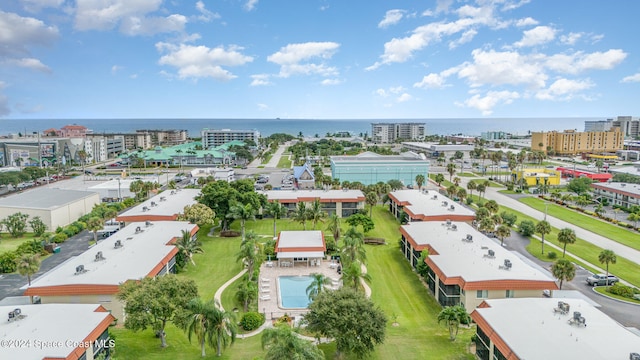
column 386, row 133
column 216, row 137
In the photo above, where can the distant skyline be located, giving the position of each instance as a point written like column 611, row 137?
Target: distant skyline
column 318, row 59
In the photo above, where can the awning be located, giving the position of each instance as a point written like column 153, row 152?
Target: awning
column 300, row 254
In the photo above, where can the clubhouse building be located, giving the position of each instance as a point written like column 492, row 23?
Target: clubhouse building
column 465, row 267
column 427, row 205
column 94, row 277
column 344, row 203
column 306, row 247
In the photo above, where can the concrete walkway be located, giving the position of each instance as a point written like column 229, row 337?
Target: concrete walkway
column 275, row 159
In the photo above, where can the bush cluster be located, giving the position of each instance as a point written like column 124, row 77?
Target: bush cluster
column 623, row 290
column 251, row 321
column 8, row 259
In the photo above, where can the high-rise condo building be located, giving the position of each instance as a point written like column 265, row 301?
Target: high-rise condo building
column 386, row 133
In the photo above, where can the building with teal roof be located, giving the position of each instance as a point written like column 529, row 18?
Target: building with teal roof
column 370, row 168
column 187, row 154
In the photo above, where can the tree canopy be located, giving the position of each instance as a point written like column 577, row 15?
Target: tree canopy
column 361, row 219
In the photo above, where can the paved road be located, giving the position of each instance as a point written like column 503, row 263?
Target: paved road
column 10, row 284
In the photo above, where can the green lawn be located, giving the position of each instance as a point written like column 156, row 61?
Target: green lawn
column 8, row 243
column 284, row 162
column 603, row 290
column 600, row 227
column 396, row 289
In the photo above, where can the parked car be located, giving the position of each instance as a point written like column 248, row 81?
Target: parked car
column 601, row 279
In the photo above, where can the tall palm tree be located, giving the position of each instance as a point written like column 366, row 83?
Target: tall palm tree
column 95, row 224
column 316, row 214
column 109, row 214
column 333, row 226
column 301, row 215
column 282, row 343
column 607, row 257
column 471, row 185
column 543, row 228
column 492, row 206
column 563, row 270
column 453, row 316
column 250, row 253
column 420, row 181
column 353, row 246
column 243, row 213
column 246, row 293
column 481, row 189
column 371, row 200
column 503, row 232
column 211, row 325
column 27, row 265
column 462, row 194
column 187, row 246
column 276, row 210
column 456, row 181
column 566, row 236
column 451, row 169
column 353, row 275
column 317, row 285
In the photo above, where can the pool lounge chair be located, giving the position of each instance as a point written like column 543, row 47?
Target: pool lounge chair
column 265, row 297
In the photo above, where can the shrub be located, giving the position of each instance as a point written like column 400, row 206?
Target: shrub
column 251, row 321
column 469, row 200
column 230, row 233
column 59, row 229
column 622, row 290
column 70, row 231
column 59, row 238
column 80, row 225
column 8, row 262
column 552, row 255
column 30, row 247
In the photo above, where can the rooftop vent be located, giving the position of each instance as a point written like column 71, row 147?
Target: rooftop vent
column 452, row 207
column 144, row 208
column 99, row 256
column 153, row 203
column 507, row 265
column 454, row 227
column 491, row 253
column 634, row 356
column 435, row 197
column 445, row 203
column 16, row 314
column 118, row 244
column 163, row 198
column 448, row 223
column 563, row 308
column 173, row 192
column 577, row 319
column 130, row 238
column 80, row 270
column 139, row 230
column 468, row 238
column 148, row 223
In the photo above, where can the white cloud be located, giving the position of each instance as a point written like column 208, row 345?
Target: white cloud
column 396, row 89
column 431, row 81
column 537, row 36
column 37, row 5
column 511, row 5
column 263, row 107
column 133, row 76
column 4, row 102
column 579, row 61
column 30, row 63
column 131, row 16
column 381, row 92
column 293, row 58
column 205, row 15
column 503, row 68
column 392, row 17
column 466, row 37
column 443, row 5
column 571, row 38
column 404, row 98
column 260, row 80
column 528, row 21
column 329, row 82
column 564, row 89
column 200, row 61
column 115, row 69
column 490, row 100
column 632, row 78
column 18, row 33
column 250, row 5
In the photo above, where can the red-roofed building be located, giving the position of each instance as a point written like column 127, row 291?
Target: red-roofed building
column 51, row 132
column 600, row 177
column 73, row 131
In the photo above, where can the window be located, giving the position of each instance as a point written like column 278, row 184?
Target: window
column 510, row 294
column 482, row 294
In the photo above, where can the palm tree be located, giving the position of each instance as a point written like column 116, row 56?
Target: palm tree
column 353, row 275
column 635, row 217
column 282, row 343
column 453, row 316
column 462, row 194
column 487, row 225
column 95, row 224
column 276, row 210
column 242, row 212
column 543, row 228
column 371, row 200
column 187, row 246
column 211, row 325
column 492, row 206
column 250, row 253
column 315, row 213
column 563, row 270
column 471, row 185
column 451, row 169
column 456, row 180
column 317, row 285
column 333, row 226
column 439, row 179
column 27, row 265
column 353, row 246
column 301, row 215
column 481, row 189
column 503, row 232
column 566, row 236
column 607, row 257
column 420, row 181
column 246, row 293
column 109, row 214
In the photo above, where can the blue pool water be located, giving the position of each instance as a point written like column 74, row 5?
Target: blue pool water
column 293, row 291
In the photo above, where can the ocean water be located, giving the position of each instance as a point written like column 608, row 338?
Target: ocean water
column 309, row 127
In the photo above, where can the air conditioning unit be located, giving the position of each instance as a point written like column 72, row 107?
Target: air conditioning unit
column 448, row 223
column 454, row 227
column 452, row 208
column 138, row 230
column 144, row 208
column 162, row 198
column 153, row 203
column 79, row 269
column 469, row 237
column 148, row 223
column 491, row 253
column 173, row 192
column 634, row 356
column 435, row 197
column 99, row 256
column 15, row 314
column 118, row 244
column 507, row 264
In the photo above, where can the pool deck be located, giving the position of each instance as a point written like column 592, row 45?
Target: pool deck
column 269, row 281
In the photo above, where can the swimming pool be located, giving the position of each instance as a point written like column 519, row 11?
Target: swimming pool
column 293, row 291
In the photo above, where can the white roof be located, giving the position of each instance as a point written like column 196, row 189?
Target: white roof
column 342, row 195
column 64, row 325
column 616, row 186
column 172, row 205
column 114, row 184
column 533, row 331
column 300, row 239
column 430, row 203
column 467, row 259
column 45, row 198
column 134, row 260
column 300, row 254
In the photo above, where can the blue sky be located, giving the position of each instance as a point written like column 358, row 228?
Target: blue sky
column 318, row 59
